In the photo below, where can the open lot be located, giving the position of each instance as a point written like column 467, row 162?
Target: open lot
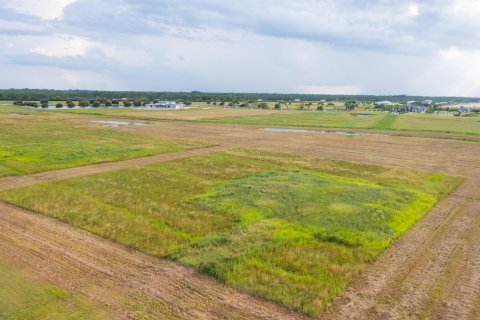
column 283, row 227
column 436, row 260
column 34, row 142
column 377, row 120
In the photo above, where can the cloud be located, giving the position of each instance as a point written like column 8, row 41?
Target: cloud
column 64, row 46
column 347, row 90
column 317, row 46
column 43, row 9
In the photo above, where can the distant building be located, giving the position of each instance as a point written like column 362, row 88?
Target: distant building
column 411, row 102
column 409, row 108
column 383, row 103
column 297, row 100
column 462, row 109
column 427, row 101
column 165, row 105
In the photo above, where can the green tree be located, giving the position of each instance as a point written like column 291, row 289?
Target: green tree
column 127, row 104
column 83, row 103
column 71, row 104
column 59, row 105
column 350, row 105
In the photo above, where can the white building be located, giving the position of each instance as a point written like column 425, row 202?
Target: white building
column 165, row 105
column 383, row 103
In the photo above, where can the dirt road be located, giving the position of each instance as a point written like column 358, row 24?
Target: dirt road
column 432, row 272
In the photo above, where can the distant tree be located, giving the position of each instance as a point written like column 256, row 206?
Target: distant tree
column 108, row 103
column 222, row 103
column 188, row 103
column 92, row 101
column 44, row 105
column 71, row 104
column 137, row 103
column 231, row 104
column 243, row 105
column 278, row 106
column 350, row 105
column 263, row 105
column 59, row 105
column 320, row 107
column 83, row 103
column 127, row 104
column 96, row 104
column 115, row 102
column 18, row 103
column 44, row 101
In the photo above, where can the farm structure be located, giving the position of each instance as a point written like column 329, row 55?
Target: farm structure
column 165, row 105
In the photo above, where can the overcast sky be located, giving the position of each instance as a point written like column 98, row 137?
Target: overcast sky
column 302, row 46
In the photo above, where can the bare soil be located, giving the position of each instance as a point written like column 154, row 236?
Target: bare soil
column 431, row 272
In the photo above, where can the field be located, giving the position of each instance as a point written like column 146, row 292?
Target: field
column 22, row 296
column 379, row 120
column 284, row 227
column 33, row 143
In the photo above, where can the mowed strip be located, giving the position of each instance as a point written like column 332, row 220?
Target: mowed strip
column 23, row 181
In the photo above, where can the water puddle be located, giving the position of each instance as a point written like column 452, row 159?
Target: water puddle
column 113, row 123
column 363, row 115
column 18, row 114
column 288, row 130
column 343, row 133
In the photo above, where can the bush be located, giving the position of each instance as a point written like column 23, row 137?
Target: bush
column 59, row 105
column 71, row 104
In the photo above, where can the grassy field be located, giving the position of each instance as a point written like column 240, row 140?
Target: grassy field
column 32, row 143
column 24, row 297
column 289, row 228
column 421, row 122
column 380, row 121
column 307, row 119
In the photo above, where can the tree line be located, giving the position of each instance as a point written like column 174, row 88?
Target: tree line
column 197, row 96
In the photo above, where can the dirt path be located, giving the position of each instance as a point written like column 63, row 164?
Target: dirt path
column 23, row 181
column 118, row 277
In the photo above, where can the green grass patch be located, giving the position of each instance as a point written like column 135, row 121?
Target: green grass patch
column 305, row 119
column 385, row 123
column 24, row 297
column 31, row 143
column 289, row 228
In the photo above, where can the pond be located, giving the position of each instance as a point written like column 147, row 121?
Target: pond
column 114, row 123
column 344, row 133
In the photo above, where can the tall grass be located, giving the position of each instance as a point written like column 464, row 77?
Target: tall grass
column 290, row 228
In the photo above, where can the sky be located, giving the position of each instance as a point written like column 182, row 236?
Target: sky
column 303, row 46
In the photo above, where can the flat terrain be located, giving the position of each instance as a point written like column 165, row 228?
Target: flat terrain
column 30, row 144
column 280, row 226
column 430, row 272
column 359, row 120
